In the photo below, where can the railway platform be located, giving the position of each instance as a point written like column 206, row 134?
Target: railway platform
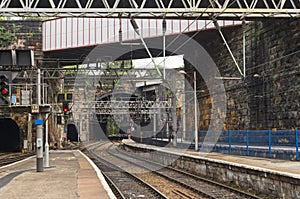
column 70, row 175
column 273, row 177
column 284, row 167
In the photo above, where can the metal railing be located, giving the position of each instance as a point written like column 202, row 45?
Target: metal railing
column 247, row 142
column 25, row 94
column 281, row 144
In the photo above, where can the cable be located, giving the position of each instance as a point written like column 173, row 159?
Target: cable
column 190, row 38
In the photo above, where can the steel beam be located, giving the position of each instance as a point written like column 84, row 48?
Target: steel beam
column 151, row 9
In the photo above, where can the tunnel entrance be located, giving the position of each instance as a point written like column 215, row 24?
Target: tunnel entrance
column 10, row 136
column 72, row 133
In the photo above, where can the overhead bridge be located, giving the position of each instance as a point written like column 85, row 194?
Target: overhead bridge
column 236, row 9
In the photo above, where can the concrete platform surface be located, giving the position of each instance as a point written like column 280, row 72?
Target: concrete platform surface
column 282, row 167
column 70, row 176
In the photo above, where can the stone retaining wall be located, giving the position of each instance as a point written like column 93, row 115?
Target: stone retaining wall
column 258, row 180
column 268, row 97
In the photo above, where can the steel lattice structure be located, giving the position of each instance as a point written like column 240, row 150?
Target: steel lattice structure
column 152, row 9
column 121, row 107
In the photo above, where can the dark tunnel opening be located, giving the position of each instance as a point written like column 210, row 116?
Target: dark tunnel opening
column 72, row 133
column 10, row 136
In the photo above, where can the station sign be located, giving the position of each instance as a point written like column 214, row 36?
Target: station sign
column 35, row 108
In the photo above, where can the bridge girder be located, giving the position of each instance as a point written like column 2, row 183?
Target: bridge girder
column 236, row 9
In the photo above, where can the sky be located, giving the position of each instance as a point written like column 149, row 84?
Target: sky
column 171, row 62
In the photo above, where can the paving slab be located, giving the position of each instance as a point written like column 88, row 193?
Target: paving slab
column 70, row 176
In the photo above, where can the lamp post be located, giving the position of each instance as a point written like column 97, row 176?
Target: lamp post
column 195, row 107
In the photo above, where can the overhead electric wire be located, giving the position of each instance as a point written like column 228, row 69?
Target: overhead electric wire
column 191, row 37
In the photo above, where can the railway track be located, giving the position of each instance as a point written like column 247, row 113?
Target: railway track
column 8, row 158
column 123, row 184
column 203, row 187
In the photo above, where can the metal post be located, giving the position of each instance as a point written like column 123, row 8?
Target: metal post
column 297, row 144
column 183, row 116
column 38, row 87
column 80, row 126
column 164, row 25
column 247, row 142
column 244, row 49
column 270, row 142
column 39, row 145
column 196, row 112
column 229, row 141
column 154, row 126
column 174, row 120
column 46, row 143
column 39, row 129
column 29, row 132
column 167, row 131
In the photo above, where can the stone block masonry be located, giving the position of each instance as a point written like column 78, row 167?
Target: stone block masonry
column 268, row 98
column 21, row 34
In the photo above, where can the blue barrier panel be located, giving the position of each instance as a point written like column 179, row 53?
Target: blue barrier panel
column 283, row 138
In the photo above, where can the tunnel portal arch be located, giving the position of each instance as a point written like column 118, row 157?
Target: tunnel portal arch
column 10, row 135
column 72, row 133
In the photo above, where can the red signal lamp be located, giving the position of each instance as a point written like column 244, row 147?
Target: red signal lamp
column 65, row 110
column 4, row 91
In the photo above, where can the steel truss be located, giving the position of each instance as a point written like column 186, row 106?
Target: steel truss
column 121, row 107
column 151, row 9
column 95, row 74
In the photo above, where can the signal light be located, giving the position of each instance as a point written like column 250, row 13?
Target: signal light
column 65, row 108
column 4, row 88
column 4, row 91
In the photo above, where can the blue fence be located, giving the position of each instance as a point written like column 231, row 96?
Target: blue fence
column 245, row 142
column 280, row 144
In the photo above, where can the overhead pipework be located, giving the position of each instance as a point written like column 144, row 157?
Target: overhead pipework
column 151, row 9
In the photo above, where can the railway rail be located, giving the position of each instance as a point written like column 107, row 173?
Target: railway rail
column 123, row 184
column 173, row 183
column 8, row 158
column 204, row 187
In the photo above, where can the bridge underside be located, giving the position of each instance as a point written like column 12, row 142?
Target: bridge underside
column 117, row 51
column 152, row 9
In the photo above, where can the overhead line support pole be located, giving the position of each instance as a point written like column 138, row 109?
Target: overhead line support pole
column 244, row 48
column 196, row 111
column 164, row 26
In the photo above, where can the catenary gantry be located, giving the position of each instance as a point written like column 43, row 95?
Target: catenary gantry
column 155, row 8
